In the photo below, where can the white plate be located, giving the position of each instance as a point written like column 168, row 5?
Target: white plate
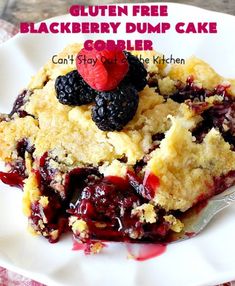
column 208, row 259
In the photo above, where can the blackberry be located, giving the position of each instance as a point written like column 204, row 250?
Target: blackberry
column 72, row 90
column 114, row 109
column 137, row 73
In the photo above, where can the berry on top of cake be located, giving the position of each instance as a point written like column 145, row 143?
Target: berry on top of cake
column 118, row 151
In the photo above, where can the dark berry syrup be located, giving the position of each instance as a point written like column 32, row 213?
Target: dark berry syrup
column 17, row 170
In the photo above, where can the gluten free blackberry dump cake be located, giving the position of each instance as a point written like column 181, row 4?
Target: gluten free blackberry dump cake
column 118, row 151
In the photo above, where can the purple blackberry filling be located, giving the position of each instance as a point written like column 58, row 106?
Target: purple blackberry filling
column 220, row 116
column 17, row 169
column 191, row 92
column 19, row 103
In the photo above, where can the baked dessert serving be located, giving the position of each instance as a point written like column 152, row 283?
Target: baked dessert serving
column 118, row 150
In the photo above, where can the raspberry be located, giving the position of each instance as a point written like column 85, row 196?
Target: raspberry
column 114, row 109
column 137, row 73
column 107, row 70
column 72, row 90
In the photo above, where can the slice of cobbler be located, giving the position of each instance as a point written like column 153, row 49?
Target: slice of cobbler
column 119, row 163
